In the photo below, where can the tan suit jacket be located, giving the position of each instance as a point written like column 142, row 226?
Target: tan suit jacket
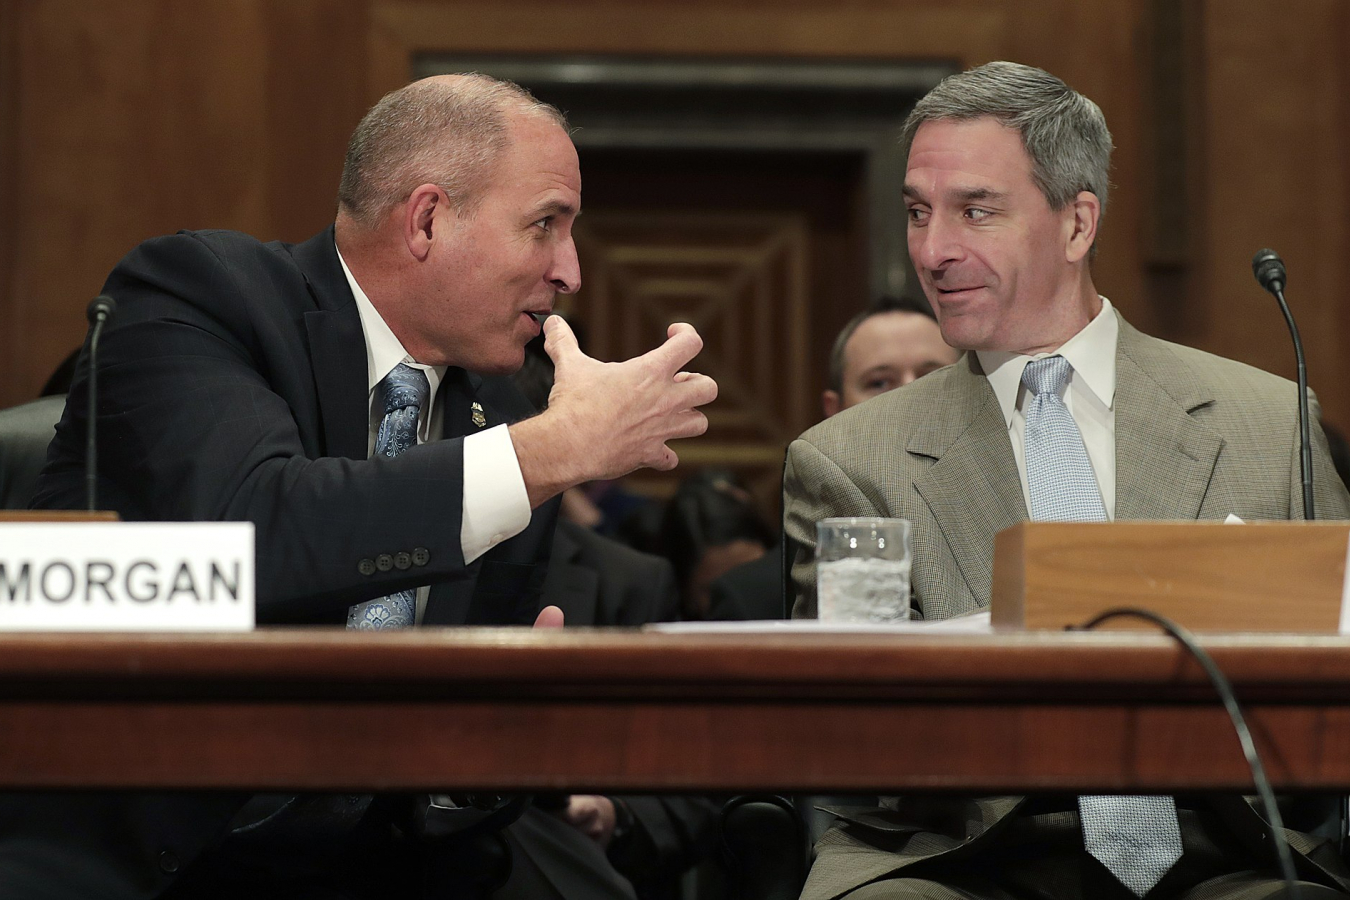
column 1197, row 437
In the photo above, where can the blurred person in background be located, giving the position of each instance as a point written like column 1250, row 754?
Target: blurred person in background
column 888, row 345
column 711, row 526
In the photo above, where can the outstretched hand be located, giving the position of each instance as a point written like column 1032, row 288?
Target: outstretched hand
column 606, row 419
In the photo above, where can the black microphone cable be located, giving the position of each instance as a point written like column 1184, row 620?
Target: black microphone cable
column 1225, row 691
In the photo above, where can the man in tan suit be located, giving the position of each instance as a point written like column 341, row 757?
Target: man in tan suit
column 1005, row 185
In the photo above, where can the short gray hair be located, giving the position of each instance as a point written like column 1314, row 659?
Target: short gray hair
column 1064, row 133
column 444, row 131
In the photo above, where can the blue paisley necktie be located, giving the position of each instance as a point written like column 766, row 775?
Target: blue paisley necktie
column 404, row 392
column 1136, row 838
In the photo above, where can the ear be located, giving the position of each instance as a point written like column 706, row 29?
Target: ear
column 419, row 218
column 1081, row 218
column 830, row 401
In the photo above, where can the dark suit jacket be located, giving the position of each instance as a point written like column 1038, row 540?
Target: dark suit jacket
column 752, row 590
column 595, row 580
column 1197, row 437
column 233, row 387
column 599, row 582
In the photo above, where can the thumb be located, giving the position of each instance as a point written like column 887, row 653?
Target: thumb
column 559, row 342
column 549, row 617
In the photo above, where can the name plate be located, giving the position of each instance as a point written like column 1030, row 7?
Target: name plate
column 126, row 576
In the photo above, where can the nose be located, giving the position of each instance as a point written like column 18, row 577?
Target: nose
column 565, row 273
column 936, row 245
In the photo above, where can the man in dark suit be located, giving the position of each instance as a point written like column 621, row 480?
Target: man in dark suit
column 345, row 395
column 1060, row 410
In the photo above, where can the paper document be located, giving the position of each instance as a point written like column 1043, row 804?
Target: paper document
column 975, row 623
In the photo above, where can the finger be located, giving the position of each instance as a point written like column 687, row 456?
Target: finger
column 549, row 617
column 559, row 341
column 682, row 345
column 687, row 423
column 665, row 460
column 693, row 390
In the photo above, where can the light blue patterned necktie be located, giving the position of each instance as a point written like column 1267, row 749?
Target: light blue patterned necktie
column 1137, row 838
column 404, row 392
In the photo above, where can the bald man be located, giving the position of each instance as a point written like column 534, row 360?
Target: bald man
column 346, row 396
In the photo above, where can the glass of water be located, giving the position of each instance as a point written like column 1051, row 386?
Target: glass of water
column 862, row 570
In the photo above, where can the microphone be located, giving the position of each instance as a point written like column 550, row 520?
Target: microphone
column 100, row 308
column 1269, row 271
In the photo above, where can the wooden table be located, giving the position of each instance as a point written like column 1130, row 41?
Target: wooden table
column 607, row 710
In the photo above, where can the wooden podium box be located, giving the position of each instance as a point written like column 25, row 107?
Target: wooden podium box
column 1207, row 576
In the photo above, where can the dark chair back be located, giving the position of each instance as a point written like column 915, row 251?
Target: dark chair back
column 25, row 432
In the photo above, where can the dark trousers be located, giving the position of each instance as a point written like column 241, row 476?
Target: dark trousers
column 322, row 852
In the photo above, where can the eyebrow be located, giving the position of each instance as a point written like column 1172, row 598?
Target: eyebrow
column 555, row 208
column 962, row 195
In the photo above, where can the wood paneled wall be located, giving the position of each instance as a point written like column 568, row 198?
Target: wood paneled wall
column 127, row 118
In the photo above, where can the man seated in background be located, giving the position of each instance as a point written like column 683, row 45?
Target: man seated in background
column 888, row 345
column 1059, row 410
column 346, row 396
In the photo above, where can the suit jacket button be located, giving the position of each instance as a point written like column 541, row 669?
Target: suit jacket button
column 366, row 566
column 402, row 560
column 168, row 862
column 421, row 556
column 384, row 562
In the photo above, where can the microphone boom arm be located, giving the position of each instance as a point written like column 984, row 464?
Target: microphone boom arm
column 1304, row 418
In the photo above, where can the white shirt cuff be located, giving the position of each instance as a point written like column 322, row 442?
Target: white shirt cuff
column 496, row 506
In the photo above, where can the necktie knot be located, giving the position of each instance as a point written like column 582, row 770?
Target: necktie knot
column 1046, row 375
column 404, row 387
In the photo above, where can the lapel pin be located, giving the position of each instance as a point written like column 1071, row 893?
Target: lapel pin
column 479, row 420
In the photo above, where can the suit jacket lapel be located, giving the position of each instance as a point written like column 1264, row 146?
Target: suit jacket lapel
column 458, row 393
column 972, row 489
column 1164, row 456
column 338, row 348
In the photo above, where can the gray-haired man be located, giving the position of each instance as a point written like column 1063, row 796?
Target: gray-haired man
column 1060, row 410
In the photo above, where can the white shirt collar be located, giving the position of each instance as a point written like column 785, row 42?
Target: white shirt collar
column 1091, row 352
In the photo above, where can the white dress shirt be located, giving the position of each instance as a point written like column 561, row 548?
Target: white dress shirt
column 1090, row 396
column 495, row 505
